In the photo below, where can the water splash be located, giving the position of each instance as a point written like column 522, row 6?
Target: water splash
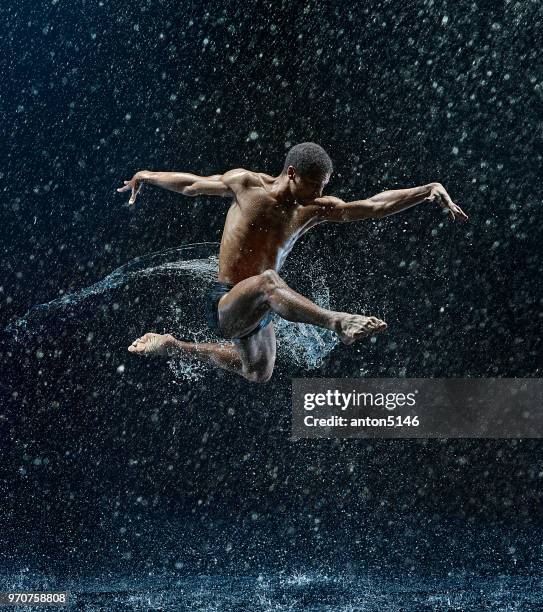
column 192, row 269
column 193, row 259
column 307, row 345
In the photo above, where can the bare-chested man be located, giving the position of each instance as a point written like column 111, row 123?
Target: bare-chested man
column 267, row 216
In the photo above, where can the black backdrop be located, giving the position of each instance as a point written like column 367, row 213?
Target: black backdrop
column 136, row 467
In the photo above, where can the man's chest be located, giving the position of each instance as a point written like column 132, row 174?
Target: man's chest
column 265, row 215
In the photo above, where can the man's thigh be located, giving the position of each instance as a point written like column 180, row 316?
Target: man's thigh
column 241, row 309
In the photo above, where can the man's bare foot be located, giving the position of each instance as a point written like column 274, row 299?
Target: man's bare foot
column 351, row 328
column 152, row 344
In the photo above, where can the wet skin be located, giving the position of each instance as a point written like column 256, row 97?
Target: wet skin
column 265, row 219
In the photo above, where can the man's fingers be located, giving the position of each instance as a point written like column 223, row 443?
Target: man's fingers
column 125, row 188
column 135, row 190
column 459, row 213
column 448, row 198
column 445, row 201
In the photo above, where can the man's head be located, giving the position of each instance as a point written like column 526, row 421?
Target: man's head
column 308, row 168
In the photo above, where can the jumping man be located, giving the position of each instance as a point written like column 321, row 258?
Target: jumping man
column 267, row 216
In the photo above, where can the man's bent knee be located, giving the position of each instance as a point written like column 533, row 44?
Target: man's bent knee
column 270, row 281
column 258, row 375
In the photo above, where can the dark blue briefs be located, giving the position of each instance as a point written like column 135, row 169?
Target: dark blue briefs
column 212, row 313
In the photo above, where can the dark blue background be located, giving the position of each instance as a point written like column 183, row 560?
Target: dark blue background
column 399, row 96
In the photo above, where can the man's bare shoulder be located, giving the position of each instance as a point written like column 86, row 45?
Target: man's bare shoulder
column 241, row 178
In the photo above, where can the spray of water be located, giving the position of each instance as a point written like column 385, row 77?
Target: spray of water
column 192, row 268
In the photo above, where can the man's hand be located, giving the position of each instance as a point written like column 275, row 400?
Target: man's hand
column 439, row 194
column 134, row 184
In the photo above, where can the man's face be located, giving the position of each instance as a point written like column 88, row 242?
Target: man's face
column 307, row 188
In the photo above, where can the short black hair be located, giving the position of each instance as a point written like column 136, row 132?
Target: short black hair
column 307, row 158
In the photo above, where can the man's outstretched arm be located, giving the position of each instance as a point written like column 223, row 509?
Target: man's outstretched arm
column 185, row 183
column 387, row 203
